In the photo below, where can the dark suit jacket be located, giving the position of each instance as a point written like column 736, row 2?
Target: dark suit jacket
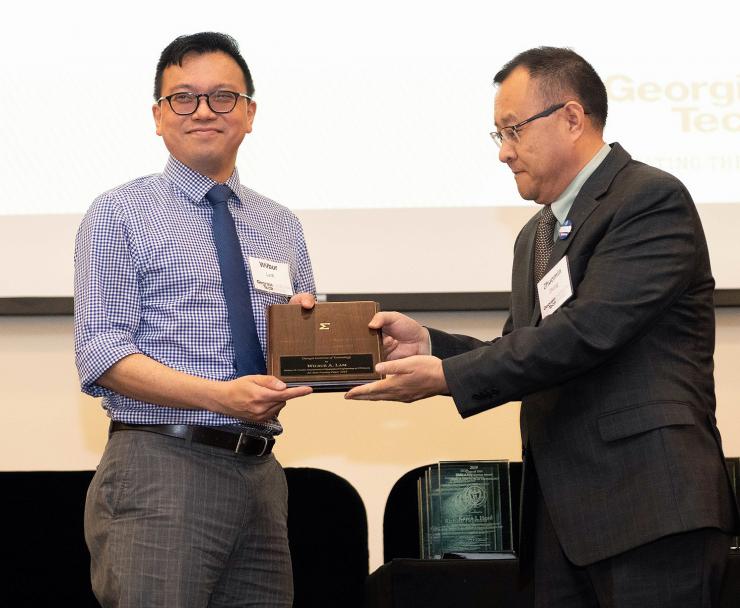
column 616, row 386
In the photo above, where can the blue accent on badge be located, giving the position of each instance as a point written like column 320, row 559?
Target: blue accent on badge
column 564, row 230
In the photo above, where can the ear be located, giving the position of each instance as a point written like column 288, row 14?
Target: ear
column 249, row 119
column 157, row 114
column 575, row 117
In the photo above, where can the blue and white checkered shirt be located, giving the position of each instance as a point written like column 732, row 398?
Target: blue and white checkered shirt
column 147, row 280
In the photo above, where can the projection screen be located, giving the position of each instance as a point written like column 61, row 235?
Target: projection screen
column 372, row 124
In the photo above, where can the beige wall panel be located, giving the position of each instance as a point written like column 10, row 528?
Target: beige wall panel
column 47, row 424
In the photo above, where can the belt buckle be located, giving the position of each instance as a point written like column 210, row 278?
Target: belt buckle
column 240, row 441
column 264, row 446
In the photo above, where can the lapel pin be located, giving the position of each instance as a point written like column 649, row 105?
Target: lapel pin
column 564, row 230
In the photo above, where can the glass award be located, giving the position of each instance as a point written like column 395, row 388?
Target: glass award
column 421, row 493
column 428, row 508
column 435, row 532
column 733, row 467
column 465, row 510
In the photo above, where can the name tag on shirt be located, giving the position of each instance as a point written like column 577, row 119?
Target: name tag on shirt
column 555, row 288
column 271, row 277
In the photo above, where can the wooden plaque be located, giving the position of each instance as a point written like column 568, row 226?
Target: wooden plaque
column 330, row 347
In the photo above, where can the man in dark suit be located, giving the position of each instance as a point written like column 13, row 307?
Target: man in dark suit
column 609, row 346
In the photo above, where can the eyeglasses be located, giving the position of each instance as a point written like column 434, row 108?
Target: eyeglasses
column 220, row 102
column 511, row 134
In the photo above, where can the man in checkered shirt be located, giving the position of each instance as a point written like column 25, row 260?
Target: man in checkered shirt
column 188, row 506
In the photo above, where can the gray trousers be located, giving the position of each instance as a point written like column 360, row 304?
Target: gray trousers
column 680, row 571
column 173, row 524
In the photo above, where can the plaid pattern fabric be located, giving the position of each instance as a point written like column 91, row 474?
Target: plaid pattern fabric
column 147, row 281
column 192, row 525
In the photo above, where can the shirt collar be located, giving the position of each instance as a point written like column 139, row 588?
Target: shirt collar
column 561, row 206
column 193, row 184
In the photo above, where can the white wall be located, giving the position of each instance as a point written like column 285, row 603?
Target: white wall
column 47, row 424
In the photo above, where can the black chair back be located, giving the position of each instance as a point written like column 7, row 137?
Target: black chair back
column 327, row 530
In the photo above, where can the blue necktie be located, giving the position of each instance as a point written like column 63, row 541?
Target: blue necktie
column 249, row 358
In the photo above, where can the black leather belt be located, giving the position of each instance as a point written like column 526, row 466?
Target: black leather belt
column 240, row 443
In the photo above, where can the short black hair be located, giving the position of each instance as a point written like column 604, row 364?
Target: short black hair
column 560, row 72
column 201, row 43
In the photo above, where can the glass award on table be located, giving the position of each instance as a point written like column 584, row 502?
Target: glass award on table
column 468, row 507
column 733, row 467
column 329, row 347
column 429, row 530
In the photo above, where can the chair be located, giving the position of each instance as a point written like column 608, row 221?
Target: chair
column 327, row 531
column 401, row 518
column 46, row 562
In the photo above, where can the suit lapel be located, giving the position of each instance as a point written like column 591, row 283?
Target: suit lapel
column 583, row 206
column 522, row 290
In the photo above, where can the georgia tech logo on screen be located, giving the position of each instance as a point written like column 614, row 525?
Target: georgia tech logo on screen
column 705, row 106
column 324, row 326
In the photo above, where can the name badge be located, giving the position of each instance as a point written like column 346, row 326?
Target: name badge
column 555, row 288
column 271, row 277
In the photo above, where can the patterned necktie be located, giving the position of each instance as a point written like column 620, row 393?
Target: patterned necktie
column 249, row 358
column 543, row 242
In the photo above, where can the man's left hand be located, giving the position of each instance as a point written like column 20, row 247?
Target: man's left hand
column 408, row 380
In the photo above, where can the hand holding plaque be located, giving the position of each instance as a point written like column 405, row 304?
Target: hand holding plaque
column 329, row 347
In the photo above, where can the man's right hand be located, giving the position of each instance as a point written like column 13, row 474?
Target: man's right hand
column 257, row 398
column 402, row 336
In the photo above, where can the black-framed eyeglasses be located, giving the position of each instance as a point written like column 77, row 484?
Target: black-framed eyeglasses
column 220, row 102
column 511, row 134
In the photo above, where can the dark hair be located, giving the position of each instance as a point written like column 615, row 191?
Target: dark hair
column 560, row 72
column 204, row 42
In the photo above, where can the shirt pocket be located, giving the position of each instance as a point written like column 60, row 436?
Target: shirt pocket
column 643, row 418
